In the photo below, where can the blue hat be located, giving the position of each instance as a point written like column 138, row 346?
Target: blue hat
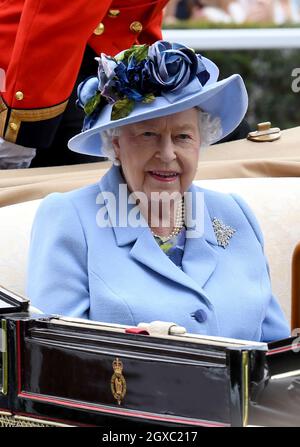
column 146, row 82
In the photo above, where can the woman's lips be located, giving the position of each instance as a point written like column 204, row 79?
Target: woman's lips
column 164, row 176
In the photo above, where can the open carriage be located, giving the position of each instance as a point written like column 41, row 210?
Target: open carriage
column 62, row 371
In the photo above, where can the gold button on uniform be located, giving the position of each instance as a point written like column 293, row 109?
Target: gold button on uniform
column 99, row 30
column 113, row 13
column 13, row 126
column 19, row 96
column 136, row 27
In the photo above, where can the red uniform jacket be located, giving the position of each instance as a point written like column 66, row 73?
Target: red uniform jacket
column 41, row 48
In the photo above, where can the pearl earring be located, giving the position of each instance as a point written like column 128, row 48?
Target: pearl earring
column 117, row 162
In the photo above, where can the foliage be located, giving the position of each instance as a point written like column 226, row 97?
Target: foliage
column 267, row 74
column 268, row 77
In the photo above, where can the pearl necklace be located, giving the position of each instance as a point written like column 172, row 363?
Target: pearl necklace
column 179, row 223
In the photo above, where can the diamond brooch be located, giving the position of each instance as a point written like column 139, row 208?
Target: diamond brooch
column 223, row 232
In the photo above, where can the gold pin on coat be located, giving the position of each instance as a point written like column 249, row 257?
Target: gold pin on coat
column 118, row 382
column 114, row 13
column 265, row 133
column 19, row 96
column 136, row 27
column 99, row 30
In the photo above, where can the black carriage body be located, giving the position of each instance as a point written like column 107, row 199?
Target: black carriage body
column 66, row 372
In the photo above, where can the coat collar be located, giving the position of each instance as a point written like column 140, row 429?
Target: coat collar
column 200, row 254
column 111, row 183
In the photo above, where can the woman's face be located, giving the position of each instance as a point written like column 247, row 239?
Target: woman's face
column 160, row 154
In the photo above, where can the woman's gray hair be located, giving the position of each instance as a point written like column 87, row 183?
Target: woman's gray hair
column 210, row 131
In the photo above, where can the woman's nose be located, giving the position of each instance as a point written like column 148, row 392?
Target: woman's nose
column 167, row 151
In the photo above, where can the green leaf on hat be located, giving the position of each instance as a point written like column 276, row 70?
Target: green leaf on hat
column 126, row 54
column 148, row 98
column 92, row 104
column 140, row 52
column 122, row 108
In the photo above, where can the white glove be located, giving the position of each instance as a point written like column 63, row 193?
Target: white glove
column 13, row 156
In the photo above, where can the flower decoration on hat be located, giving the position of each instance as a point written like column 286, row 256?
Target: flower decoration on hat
column 138, row 75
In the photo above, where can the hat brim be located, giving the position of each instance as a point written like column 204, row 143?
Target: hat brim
column 226, row 99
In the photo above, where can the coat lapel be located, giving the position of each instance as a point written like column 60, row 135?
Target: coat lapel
column 200, row 256
column 199, row 259
column 147, row 252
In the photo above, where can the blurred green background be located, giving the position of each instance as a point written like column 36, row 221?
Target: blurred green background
column 267, row 74
column 268, row 78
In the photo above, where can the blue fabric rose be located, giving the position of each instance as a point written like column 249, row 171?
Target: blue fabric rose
column 89, row 100
column 86, row 90
column 129, row 82
column 139, row 74
column 172, row 66
column 128, row 79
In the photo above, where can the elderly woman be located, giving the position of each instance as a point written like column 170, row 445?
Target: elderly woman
column 144, row 243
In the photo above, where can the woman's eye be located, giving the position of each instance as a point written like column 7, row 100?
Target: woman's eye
column 184, row 136
column 149, row 134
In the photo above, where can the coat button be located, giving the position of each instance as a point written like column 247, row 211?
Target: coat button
column 136, row 27
column 99, row 30
column 200, row 315
column 113, row 13
column 19, row 96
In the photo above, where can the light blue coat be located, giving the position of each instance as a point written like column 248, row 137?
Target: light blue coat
column 121, row 275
